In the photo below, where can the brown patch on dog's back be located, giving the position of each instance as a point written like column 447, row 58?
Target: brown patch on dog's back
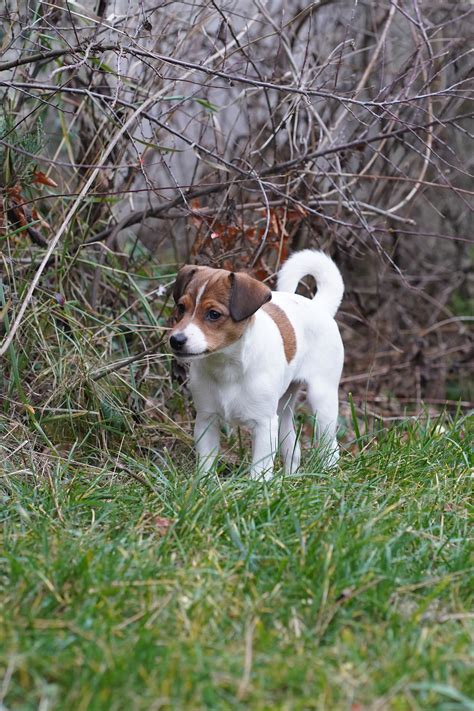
column 287, row 331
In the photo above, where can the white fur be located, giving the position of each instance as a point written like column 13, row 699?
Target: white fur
column 199, row 296
column 322, row 268
column 196, row 340
column 251, row 382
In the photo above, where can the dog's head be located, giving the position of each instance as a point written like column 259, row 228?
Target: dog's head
column 213, row 308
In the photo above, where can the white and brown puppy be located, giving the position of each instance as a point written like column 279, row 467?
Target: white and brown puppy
column 250, row 350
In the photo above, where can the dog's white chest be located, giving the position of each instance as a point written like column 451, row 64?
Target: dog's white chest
column 235, row 397
column 230, row 404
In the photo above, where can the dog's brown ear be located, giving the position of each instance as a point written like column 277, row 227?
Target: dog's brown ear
column 183, row 278
column 247, row 295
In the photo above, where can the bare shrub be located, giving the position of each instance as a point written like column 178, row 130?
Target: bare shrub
column 135, row 136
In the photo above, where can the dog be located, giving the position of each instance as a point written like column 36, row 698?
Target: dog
column 250, row 351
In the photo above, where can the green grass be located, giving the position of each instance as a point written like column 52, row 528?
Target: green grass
column 343, row 590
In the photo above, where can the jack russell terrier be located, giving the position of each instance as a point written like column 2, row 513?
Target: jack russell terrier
column 251, row 349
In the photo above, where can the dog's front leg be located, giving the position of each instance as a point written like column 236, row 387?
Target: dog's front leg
column 264, row 447
column 206, row 436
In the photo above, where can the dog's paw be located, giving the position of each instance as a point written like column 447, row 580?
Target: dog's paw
column 261, row 475
column 332, row 459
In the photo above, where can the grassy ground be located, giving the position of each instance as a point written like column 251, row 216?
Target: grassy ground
column 140, row 586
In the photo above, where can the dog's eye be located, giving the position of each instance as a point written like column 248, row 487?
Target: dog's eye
column 181, row 309
column 213, row 315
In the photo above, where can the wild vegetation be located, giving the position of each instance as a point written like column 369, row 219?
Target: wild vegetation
column 135, row 136
column 135, row 584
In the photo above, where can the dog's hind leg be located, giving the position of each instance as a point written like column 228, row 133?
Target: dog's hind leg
column 289, row 446
column 323, row 401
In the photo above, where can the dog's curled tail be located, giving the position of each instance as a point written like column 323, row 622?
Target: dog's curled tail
column 322, row 268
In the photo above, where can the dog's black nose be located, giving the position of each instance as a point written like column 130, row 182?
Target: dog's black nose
column 177, row 342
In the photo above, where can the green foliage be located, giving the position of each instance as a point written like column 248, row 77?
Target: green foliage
column 317, row 591
column 462, row 305
column 15, row 166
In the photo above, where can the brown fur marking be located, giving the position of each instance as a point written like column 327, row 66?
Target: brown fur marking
column 216, row 296
column 286, row 329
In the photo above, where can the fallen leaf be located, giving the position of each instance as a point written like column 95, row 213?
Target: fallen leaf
column 43, row 179
column 162, row 524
